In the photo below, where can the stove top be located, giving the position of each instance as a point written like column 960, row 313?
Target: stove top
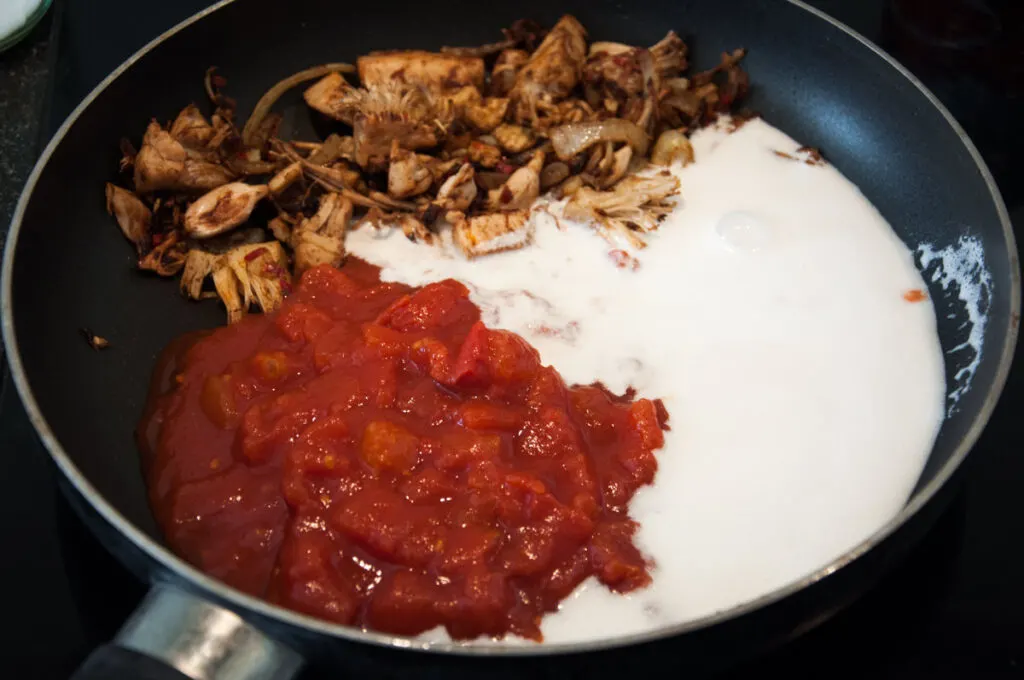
column 954, row 609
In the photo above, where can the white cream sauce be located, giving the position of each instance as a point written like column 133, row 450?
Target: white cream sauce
column 959, row 269
column 804, row 391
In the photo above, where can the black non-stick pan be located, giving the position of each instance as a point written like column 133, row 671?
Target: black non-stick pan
column 66, row 266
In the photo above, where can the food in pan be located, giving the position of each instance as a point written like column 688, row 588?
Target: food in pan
column 375, row 455
column 559, row 343
column 789, row 336
column 456, row 145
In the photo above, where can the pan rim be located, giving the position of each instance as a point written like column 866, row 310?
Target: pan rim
column 223, row 593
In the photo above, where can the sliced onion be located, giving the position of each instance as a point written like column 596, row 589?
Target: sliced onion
column 274, row 93
column 609, row 48
column 573, row 138
column 672, row 146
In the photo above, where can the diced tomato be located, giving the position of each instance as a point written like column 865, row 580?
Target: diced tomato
column 424, row 544
column 640, row 464
column 261, row 432
column 592, row 406
column 424, row 401
column 550, row 434
column 434, row 305
column 431, row 355
column 332, row 349
column 378, row 519
column 545, row 388
column 302, row 322
column 204, row 524
column 484, row 475
column 564, row 578
column 379, row 383
column 218, row 400
column 387, row 446
column 405, row 602
column 429, row 486
column 643, row 416
column 271, row 366
column 461, row 447
column 482, row 604
column 530, row 551
column 325, row 281
column 482, row 415
column 384, row 340
column 511, row 358
column 471, row 364
column 620, row 566
column 328, row 432
column 320, row 453
column 310, row 578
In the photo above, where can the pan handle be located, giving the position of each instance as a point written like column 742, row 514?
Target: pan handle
column 110, row 661
column 174, row 635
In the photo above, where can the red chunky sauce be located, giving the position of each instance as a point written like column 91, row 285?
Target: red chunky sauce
column 372, row 454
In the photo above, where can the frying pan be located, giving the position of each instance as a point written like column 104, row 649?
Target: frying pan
column 66, row 266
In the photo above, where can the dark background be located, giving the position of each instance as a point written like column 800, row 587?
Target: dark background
column 955, row 609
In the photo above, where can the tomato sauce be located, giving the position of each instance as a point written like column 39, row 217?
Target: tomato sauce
column 372, row 454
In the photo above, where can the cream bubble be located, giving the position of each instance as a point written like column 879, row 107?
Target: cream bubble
column 744, row 232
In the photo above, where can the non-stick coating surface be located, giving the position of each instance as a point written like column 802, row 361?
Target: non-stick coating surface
column 72, row 268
